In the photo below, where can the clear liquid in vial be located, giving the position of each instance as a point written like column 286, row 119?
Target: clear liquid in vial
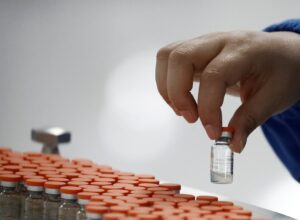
column 221, row 169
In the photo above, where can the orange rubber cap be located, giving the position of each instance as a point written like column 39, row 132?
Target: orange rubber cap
column 171, row 186
column 86, row 195
column 93, row 190
column 35, row 182
column 4, row 172
column 113, row 216
column 207, row 198
column 13, row 168
column 73, row 190
column 10, row 177
column 54, row 185
column 228, row 129
column 65, row 180
column 120, row 209
column 75, row 183
column 241, row 212
column 96, row 209
column 32, row 177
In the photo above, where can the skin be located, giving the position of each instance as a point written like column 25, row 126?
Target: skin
column 263, row 69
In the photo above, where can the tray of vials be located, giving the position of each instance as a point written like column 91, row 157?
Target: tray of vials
column 36, row 186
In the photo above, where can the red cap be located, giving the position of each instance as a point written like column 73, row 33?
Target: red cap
column 54, row 185
column 228, row 129
column 10, row 178
column 35, row 182
column 171, row 186
column 96, row 209
column 113, row 216
column 70, row 190
column 86, row 195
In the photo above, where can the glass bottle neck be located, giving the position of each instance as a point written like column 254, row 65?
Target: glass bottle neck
column 8, row 189
column 223, row 140
column 53, row 197
column 71, row 201
column 36, row 194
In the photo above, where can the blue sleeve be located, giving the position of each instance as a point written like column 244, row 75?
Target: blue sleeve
column 283, row 130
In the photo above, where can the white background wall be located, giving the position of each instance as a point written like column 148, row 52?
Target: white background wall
column 89, row 66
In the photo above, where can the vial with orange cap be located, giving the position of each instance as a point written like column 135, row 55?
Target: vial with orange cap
column 34, row 201
column 10, row 204
column 52, row 199
column 221, row 167
column 69, row 205
column 95, row 212
column 83, row 199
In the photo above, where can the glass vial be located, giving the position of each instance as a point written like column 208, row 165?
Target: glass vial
column 52, row 200
column 23, row 194
column 34, row 208
column 10, row 205
column 83, row 200
column 95, row 212
column 221, row 167
column 69, row 206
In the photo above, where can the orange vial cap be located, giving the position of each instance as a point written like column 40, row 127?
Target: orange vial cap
column 86, row 195
column 171, row 186
column 73, row 190
column 207, row 198
column 35, row 182
column 113, row 216
column 228, row 129
column 54, row 185
column 96, row 209
column 10, row 178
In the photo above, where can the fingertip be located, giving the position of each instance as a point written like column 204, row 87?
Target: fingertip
column 177, row 112
column 213, row 132
column 238, row 144
column 189, row 116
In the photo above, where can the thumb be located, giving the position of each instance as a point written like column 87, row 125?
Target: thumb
column 247, row 118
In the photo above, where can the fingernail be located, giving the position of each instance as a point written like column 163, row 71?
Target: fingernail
column 187, row 115
column 211, row 131
column 174, row 109
column 239, row 148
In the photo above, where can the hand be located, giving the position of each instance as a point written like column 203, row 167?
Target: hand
column 263, row 69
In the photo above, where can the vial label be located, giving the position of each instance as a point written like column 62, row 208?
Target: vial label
column 221, row 164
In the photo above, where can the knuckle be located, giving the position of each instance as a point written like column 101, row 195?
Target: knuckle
column 211, row 74
column 240, row 36
column 250, row 121
column 241, row 42
column 163, row 53
column 179, row 55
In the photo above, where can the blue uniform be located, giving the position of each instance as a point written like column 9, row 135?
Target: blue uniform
column 283, row 130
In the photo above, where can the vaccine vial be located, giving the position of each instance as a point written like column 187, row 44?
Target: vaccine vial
column 23, row 190
column 10, row 205
column 172, row 187
column 69, row 206
column 34, row 208
column 83, row 200
column 221, row 167
column 96, row 212
column 52, row 199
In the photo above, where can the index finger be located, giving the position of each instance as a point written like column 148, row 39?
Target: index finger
column 184, row 61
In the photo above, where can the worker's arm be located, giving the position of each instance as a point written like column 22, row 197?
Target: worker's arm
column 283, row 130
column 262, row 68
